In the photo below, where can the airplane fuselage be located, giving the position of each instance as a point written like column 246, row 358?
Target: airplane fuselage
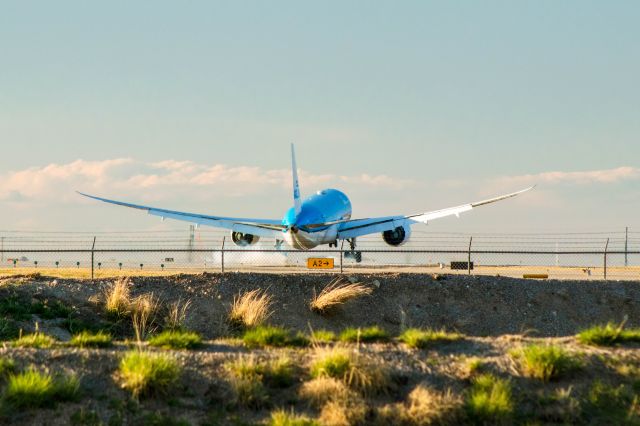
column 327, row 205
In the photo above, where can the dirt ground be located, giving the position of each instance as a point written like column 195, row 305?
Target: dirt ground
column 496, row 314
column 473, row 305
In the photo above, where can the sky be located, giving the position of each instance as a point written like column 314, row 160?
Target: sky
column 407, row 106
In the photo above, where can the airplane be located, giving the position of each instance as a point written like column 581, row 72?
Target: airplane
column 322, row 218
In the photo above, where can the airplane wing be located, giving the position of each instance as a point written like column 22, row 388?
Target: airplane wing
column 360, row 227
column 259, row 227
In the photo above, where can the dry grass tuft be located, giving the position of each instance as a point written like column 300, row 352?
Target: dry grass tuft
column 118, row 298
column 143, row 311
column 437, row 407
column 337, row 293
column 359, row 372
column 176, row 315
column 324, row 389
column 251, row 309
column 351, row 412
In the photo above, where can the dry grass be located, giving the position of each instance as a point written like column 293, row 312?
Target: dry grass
column 352, row 412
column 424, row 406
column 251, row 309
column 143, row 310
column 336, row 293
column 176, row 315
column 324, row 389
column 117, row 298
column 359, row 372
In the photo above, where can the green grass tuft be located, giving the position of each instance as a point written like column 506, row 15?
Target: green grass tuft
column 266, row 335
column 34, row 340
column 284, row 418
column 7, row 366
column 33, row 389
column 365, row 335
column 87, row 339
column 336, row 364
column 608, row 335
column 606, row 404
column 323, row 336
column 420, row 339
column 490, row 400
column 545, row 362
column 146, row 373
column 176, row 339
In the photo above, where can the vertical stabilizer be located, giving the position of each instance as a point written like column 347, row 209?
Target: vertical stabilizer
column 297, row 202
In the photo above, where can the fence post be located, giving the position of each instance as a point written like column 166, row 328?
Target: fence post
column 606, row 247
column 341, row 254
column 93, row 246
column 626, row 246
column 222, row 255
column 469, row 257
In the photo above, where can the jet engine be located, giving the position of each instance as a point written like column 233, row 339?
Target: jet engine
column 398, row 236
column 243, row 240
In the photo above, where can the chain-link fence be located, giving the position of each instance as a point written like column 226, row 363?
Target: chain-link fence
column 601, row 255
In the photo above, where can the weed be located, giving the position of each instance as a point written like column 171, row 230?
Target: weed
column 608, row 335
column 336, row 293
column 146, row 373
column 420, row 339
column 284, row 418
column 489, row 400
column 86, row 339
column 251, row 309
column 545, row 362
column 266, row 335
column 34, row 340
column 175, row 339
column 33, row 389
column 117, row 298
column 365, row 335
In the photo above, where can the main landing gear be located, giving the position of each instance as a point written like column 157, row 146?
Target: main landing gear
column 353, row 253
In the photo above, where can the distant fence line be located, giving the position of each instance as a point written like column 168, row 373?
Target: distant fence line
column 569, row 255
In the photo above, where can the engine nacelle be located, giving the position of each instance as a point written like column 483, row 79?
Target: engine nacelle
column 243, row 240
column 398, row 236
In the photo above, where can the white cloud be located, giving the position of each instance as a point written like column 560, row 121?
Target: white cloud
column 128, row 177
column 605, row 176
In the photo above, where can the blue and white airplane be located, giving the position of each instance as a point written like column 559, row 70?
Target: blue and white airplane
column 322, row 218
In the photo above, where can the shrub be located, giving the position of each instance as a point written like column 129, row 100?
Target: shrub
column 33, row 389
column 365, row 335
column 251, row 309
column 545, row 362
column 175, row 339
column 608, row 335
column 87, row 339
column 146, row 373
column 420, row 339
column 272, row 336
column 35, row 340
column 284, row 418
column 118, row 298
column 490, row 399
column 337, row 293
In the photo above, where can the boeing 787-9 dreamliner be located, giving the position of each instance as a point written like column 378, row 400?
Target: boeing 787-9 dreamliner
column 322, row 218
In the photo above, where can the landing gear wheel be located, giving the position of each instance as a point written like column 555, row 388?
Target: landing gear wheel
column 357, row 256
